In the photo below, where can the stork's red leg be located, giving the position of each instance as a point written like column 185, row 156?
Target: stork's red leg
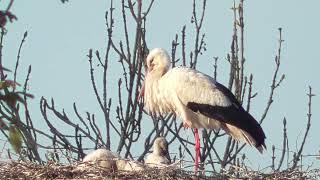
column 197, row 149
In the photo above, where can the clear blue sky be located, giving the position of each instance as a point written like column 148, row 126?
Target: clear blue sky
column 59, row 36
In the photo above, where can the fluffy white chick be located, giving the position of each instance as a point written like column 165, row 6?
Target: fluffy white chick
column 158, row 158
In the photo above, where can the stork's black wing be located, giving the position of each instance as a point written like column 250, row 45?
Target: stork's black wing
column 233, row 114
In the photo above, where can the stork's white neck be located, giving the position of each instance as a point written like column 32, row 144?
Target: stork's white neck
column 154, row 97
column 156, row 150
column 151, row 92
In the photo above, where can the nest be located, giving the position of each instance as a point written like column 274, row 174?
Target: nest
column 28, row 170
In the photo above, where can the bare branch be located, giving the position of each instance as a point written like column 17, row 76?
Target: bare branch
column 283, row 144
column 274, row 84
column 299, row 153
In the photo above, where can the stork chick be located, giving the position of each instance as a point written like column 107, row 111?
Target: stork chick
column 102, row 158
column 127, row 165
column 158, row 158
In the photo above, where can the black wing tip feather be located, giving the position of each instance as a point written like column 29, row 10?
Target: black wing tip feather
column 261, row 147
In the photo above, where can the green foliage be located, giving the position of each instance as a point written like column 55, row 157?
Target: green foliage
column 10, row 97
column 7, row 83
column 5, row 16
column 15, row 139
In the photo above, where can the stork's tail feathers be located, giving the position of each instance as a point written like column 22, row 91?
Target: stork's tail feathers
column 252, row 142
column 241, row 135
column 261, row 147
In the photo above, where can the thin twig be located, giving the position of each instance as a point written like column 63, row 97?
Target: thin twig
column 283, row 144
column 18, row 59
column 299, row 153
column 274, row 84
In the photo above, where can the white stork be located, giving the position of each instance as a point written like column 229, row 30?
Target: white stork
column 128, row 165
column 158, row 157
column 198, row 100
column 103, row 158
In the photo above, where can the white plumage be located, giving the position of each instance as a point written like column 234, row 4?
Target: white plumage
column 178, row 87
column 102, row 158
column 198, row 99
column 158, row 157
column 111, row 161
column 127, row 165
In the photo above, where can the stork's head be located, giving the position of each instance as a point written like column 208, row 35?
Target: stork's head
column 160, row 146
column 158, row 61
